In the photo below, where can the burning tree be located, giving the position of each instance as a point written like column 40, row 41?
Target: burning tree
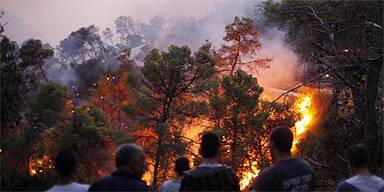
column 165, row 91
column 245, row 121
column 233, row 109
column 343, row 46
column 243, row 39
column 111, row 93
column 44, row 113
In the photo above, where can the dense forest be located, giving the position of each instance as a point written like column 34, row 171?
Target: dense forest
column 161, row 84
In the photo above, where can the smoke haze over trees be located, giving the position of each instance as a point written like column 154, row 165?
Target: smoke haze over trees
column 156, row 78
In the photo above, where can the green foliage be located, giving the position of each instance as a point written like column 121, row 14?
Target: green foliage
column 26, row 143
column 89, row 135
column 13, row 85
column 243, row 44
column 243, row 90
column 132, row 80
column 234, row 109
column 81, row 45
column 244, row 121
column 168, row 77
column 48, row 107
column 165, row 92
column 33, row 53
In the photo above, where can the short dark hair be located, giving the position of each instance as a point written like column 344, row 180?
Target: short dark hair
column 181, row 165
column 65, row 163
column 209, row 147
column 282, row 139
column 128, row 155
column 358, row 156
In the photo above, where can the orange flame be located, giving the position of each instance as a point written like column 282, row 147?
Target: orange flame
column 304, row 107
column 37, row 166
column 250, row 175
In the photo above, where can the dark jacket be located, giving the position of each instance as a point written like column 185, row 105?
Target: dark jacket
column 119, row 181
column 286, row 175
column 207, row 178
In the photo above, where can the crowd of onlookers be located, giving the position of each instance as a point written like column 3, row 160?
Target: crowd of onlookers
column 288, row 173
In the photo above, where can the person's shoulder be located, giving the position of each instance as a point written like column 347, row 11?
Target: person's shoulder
column 345, row 186
column 264, row 179
column 226, row 168
column 105, row 183
column 166, row 183
column 196, row 172
column 100, row 184
column 378, row 179
column 301, row 161
column 75, row 187
column 81, row 186
column 304, row 164
column 103, row 180
column 207, row 172
column 268, row 171
column 52, row 189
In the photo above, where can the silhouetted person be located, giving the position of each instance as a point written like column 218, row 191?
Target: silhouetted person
column 65, row 166
column 181, row 165
column 287, row 173
column 362, row 180
column 130, row 164
column 210, row 175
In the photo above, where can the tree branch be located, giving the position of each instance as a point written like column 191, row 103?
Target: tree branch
column 309, row 81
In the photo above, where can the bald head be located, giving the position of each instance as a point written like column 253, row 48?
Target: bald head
column 132, row 158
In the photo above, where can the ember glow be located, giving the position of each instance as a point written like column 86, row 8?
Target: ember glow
column 250, row 175
column 303, row 106
column 38, row 166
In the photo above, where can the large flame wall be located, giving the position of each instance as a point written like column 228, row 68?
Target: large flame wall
column 303, row 106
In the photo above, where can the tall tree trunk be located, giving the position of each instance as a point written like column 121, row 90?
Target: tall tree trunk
column 371, row 129
column 163, row 118
column 234, row 63
column 157, row 163
column 234, row 143
column 43, row 73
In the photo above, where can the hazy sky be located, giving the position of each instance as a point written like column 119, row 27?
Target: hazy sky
column 52, row 20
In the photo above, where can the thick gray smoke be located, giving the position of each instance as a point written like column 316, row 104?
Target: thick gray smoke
column 160, row 32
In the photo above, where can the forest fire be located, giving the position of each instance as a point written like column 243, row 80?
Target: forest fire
column 38, row 166
column 250, row 175
column 160, row 75
column 303, row 106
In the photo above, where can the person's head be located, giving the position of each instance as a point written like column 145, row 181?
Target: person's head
column 357, row 157
column 181, row 165
column 65, row 164
column 280, row 142
column 131, row 157
column 209, row 147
